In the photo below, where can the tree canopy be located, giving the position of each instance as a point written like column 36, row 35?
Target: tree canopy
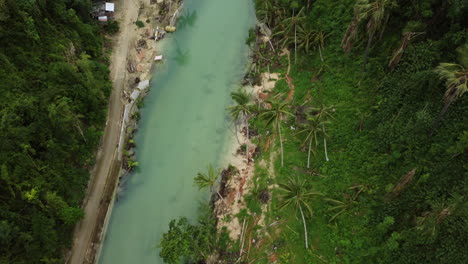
column 54, row 85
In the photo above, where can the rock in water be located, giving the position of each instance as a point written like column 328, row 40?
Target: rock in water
column 170, row 28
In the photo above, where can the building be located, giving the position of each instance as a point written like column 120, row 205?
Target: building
column 103, row 11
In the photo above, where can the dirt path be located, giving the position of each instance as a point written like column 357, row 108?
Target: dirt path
column 106, row 157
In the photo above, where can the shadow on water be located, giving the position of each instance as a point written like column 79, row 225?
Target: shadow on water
column 182, row 57
column 187, row 19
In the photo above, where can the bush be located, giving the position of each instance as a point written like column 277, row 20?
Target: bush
column 140, row 24
column 112, row 27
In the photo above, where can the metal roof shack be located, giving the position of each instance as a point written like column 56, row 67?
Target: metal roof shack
column 109, row 7
column 103, row 11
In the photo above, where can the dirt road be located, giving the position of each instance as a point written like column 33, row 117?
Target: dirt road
column 127, row 13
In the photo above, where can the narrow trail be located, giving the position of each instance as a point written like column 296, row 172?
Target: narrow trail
column 106, row 159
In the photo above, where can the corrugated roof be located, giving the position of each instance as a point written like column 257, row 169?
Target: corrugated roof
column 110, row 7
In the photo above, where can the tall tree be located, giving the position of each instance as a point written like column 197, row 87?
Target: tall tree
column 297, row 195
column 324, row 114
column 319, row 41
column 376, row 13
column 241, row 112
column 456, row 78
column 311, row 129
column 289, row 25
column 273, row 116
column 208, row 180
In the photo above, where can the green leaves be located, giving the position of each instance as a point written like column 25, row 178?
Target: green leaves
column 175, row 243
column 184, row 241
column 295, row 193
column 207, row 180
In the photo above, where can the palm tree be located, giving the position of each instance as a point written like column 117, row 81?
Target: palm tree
column 295, row 194
column 265, row 10
column 242, row 111
column 376, row 13
column 208, row 180
column 290, row 24
column 305, row 37
column 324, row 113
column 456, row 78
column 311, row 129
column 273, row 117
column 319, row 41
column 378, row 16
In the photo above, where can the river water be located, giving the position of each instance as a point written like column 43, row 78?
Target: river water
column 184, row 127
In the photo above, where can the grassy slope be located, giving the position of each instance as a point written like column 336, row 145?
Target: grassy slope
column 358, row 157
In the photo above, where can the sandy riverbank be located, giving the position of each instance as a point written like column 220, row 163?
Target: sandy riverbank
column 132, row 58
column 241, row 184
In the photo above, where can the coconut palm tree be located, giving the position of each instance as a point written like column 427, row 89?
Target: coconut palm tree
column 265, row 10
column 319, row 41
column 324, row 114
column 273, row 116
column 242, row 111
column 456, row 79
column 295, row 194
column 376, row 13
column 208, row 180
column 289, row 25
column 312, row 130
column 305, row 37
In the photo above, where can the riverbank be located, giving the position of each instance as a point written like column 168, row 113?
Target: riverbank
column 130, row 71
column 242, row 184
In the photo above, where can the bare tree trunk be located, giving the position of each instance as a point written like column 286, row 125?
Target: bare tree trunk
column 235, row 131
column 320, row 52
column 308, row 155
column 78, row 127
column 272, row 48
column 221, row 197
column 295, row 39
column 281, row 143
column 439, row 117
column 295, row 43
column 242, row 239
column 247, row 141
column 366, row 54
column 325, row 145
column 305, row 227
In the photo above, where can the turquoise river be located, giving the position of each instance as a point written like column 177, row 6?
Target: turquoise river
column 183, row 127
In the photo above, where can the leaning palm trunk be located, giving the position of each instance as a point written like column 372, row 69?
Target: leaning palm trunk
column 271, row 45
column 236, row 132
column 439, row 117
column 295, row 39
column 295, row 43
column 320, row 52
column 247, row 141
column 217, row 192
column 308, row 155
column 221, row 197
column 325, row 143
column 281, row 143
column 366, row 54
column 305, row 227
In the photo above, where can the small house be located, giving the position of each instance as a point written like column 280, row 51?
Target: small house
column 103, row 11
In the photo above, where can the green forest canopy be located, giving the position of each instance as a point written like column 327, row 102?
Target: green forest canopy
column 54, row 89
